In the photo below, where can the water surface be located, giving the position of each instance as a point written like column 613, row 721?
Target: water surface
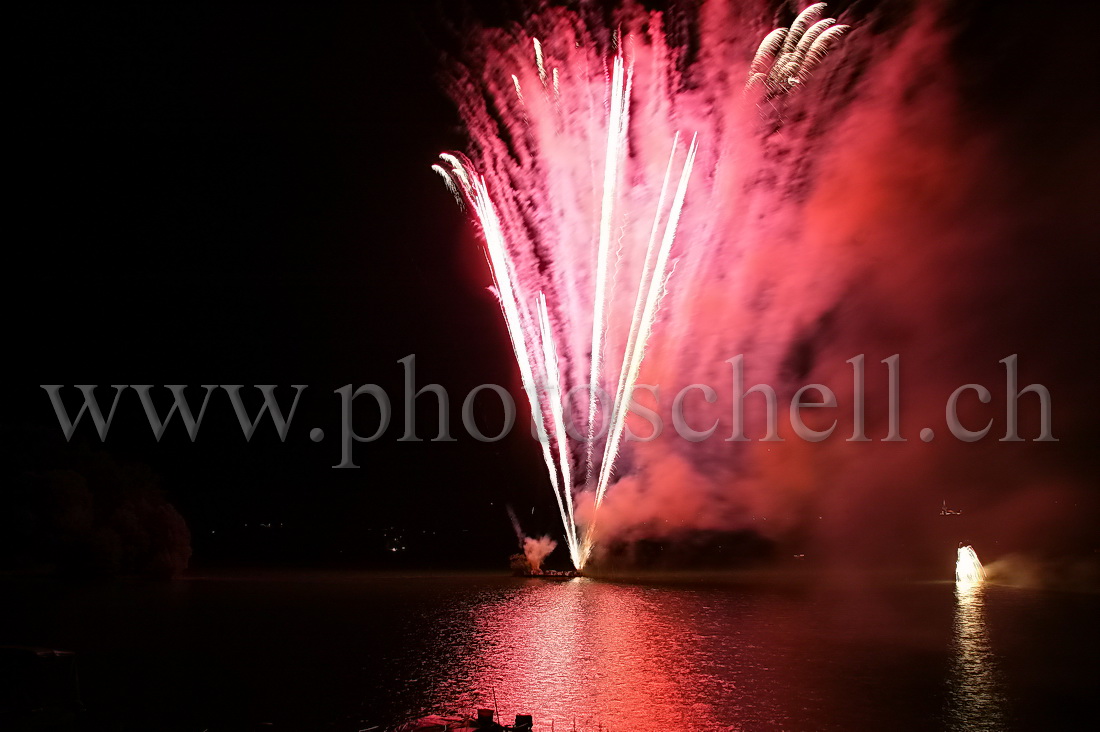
column 345, row 651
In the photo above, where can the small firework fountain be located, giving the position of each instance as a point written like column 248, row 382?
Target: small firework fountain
column 578, row 176
column 968, row 570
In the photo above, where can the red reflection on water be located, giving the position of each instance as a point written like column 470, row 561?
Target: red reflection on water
column 585, row 653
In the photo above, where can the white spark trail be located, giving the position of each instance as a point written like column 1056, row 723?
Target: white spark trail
column 554, row 397
column 457, row 168
column 767, row 50
column 501, row 267
column 656, row 289
column 616, row 138
column 618, row 418
column 786, row 57
column 539, row 62
column 806, row 18
column 451, row 186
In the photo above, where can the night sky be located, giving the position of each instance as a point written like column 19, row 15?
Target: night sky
column 243, row 195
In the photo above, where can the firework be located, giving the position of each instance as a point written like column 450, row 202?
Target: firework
column 579, row 181
column 968, row 570
column 787, row 57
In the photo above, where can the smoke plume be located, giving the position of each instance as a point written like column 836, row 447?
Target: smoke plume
column 537, row 550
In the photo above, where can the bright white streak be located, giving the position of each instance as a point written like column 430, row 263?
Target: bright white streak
column 539, row 62
column 451, row 186
column 616, row 137
column 501, row 267
column 457, row 168
column 618, row 417
column 653, row 298
column 554, row 397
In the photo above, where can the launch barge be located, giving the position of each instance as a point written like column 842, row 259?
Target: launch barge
column 548, row 574
column 523, row 566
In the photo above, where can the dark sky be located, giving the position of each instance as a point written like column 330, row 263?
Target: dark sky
column 244, row 195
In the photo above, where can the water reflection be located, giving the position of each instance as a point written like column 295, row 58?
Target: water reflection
column 638, row 657
column 584, row 653
column 976, row 698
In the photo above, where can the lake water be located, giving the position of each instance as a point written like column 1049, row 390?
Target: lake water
column 343, row 651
